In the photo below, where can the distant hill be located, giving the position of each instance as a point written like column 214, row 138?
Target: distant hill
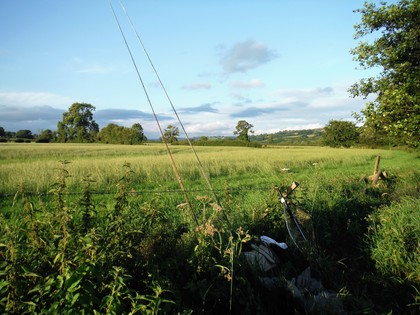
column 286, row 137
column 290, row 137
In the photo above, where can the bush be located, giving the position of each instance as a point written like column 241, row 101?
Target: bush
column 42, row 140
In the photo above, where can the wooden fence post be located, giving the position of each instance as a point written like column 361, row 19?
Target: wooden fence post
column 376, row 169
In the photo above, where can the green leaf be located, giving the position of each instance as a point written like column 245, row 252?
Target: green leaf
column 75, row 297
column 3, row 283
column 74, row 286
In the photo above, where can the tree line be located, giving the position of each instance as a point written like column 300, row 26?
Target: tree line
column 79, row 126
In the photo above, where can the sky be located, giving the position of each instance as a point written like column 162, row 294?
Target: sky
column 278, row 64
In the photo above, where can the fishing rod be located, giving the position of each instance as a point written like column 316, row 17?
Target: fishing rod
column 177, row 174
column 203, row 173
column 205, row 176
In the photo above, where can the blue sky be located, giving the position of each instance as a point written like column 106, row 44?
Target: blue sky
column 276, row 64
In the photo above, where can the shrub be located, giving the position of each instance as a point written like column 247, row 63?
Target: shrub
column 42, row 140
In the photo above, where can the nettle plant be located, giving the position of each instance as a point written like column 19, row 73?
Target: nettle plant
column 69, row 258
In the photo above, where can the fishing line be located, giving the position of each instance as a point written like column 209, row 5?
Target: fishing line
column 178, row 176
column 203, row 172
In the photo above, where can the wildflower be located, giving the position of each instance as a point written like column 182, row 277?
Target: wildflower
column 203, row 199
column 228, row 252
column 208, row 229
column 182, row 206
column 217, row 207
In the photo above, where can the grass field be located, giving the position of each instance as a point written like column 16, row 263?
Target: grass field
column 250, row 172
column 35, row 165
column 90, row 228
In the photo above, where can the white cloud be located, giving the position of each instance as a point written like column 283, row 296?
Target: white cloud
column 244, row 56
column 33, row 99
column 305, row 94
column 247, row 85
column 197, row 86
column 210, row 128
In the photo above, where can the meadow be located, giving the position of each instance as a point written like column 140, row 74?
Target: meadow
column 35, row 165
column 105, row 228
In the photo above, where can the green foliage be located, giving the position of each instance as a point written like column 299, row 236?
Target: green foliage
column 45, row 136
column 395, row 239
column 115, row 134
column 339, row 133
column 78, row 124
column 396, row 109
column 371, row 136
column 141, row 252
column 88, row 206
column 242, row 130
column 137, row 134
column 221, row 143
column 290, row 137
column 50, row 264
column 25, row 134
column 171, row 133
column 339, row 210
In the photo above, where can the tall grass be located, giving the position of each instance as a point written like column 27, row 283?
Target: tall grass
column 34, row 164
column 394, row 234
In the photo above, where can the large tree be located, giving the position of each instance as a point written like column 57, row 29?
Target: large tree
column 78, row 124
column 137, row 134
column 24, row 134
column 171, row 133
column 339, row 133
column 396, row 109
column 111, row 134
column 242, row 130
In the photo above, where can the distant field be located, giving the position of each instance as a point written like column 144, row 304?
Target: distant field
column 35, row 165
